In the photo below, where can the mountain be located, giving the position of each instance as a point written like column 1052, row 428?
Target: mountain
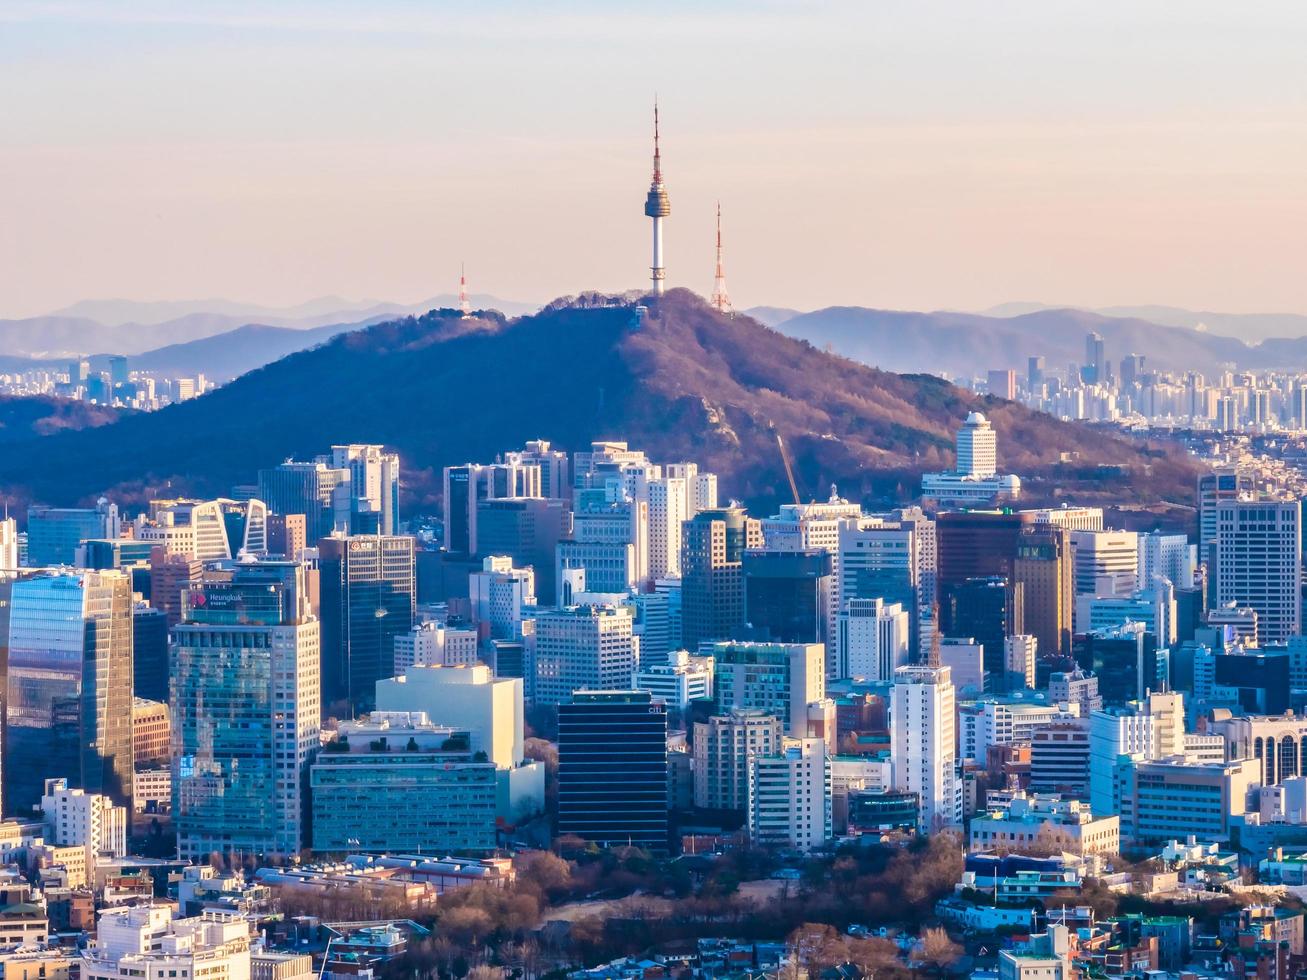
column 674, row 378
column 21, row 419
column 1252, row 328
column 771, row 316
column 964, row 344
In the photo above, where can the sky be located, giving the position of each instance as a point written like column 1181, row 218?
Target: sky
column 924, row 154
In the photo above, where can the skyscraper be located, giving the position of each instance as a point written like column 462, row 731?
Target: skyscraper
column 612, row 768
column 318, row 491
column 874, row 639
column 373, row 487
column 1043, row 571
column 923, row 742
column 69, row 687
column 1213, row 489
column 712, row 573
column 246, row 709
column 1258, row 563
column 583, row 648
column 367, row 599
column 787, row 595
column 8, row 547
column 467, row 485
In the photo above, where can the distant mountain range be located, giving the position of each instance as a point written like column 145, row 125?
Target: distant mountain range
column 683, row 382
column 967, row 344
column 129, row 327
column 1250, row 327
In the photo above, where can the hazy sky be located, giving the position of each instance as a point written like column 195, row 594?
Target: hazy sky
column 908, row 154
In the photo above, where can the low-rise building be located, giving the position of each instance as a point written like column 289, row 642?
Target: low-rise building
column 144, row 941
column 1048, row 823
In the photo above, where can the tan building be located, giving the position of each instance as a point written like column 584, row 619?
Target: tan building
column 151, row 731
column 1044, row 571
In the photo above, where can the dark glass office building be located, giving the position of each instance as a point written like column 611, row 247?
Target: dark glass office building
column 367, row 599
column 1261, row 679
column 787, row 595
column 612, row 768
column 1127, row 662
column 150, row 653
column 988, row 610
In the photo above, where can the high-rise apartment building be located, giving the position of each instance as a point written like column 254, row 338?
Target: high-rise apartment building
column 712, row 573
column 724, row 746
column 1258, row 563
column 246, row 707
column 790, row 795
column 590, row 648
column 68, row 709
column 668, row 499
column 923, row 742
column 367, row 590
column 612, row 769
column 781, row 679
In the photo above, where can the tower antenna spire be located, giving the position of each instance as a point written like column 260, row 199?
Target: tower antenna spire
column 464, row 304
column 657, row 206
column 720, row 299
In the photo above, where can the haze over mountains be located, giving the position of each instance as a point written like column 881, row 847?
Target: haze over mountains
column 223, row 339
column 130, row 327
column 683, row 383
column 966, row 344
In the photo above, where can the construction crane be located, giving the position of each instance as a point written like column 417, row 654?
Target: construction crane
column 789, row 470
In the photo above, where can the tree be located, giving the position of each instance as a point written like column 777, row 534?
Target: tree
column 937, row 950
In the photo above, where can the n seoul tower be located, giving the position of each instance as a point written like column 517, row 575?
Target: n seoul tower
column 657, row 207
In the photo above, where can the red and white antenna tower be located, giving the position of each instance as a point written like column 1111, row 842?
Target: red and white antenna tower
column 464, row 303
column 720, row 300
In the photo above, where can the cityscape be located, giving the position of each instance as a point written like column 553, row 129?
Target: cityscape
column 632, row 631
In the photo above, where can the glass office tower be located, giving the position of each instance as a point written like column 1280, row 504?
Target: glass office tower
column 68, row 710
column 246, row 712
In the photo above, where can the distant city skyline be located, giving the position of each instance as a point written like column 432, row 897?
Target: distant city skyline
column 889, row 155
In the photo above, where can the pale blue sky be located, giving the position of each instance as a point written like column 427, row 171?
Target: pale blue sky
column 899, row 154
